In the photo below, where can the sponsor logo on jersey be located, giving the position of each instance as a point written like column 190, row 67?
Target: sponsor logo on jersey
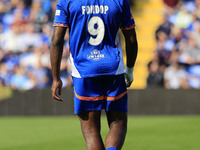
column 96, row 55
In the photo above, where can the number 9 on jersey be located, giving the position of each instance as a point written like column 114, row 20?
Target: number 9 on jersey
column 98, row 32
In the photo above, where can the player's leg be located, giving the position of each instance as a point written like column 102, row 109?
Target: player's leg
column 88, row 103
column 116, row 111
column 117, row 122
column 90, row 126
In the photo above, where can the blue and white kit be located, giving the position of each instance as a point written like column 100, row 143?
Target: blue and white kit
column 94, row 42
column 96, row 53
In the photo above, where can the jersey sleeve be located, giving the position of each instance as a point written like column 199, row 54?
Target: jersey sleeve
column 127, row 18
column 61, row 15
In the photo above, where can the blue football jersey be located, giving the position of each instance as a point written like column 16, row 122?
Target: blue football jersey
column 93, row 27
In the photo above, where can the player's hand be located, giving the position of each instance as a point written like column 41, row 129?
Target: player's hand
column 128, row 72
column 56, row 89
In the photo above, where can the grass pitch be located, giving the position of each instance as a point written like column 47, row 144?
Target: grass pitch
column 63, row 133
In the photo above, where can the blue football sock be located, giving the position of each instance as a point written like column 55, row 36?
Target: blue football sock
column 111, row 148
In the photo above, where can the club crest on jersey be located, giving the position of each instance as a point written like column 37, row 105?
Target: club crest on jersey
column 95, row 55
column 57, row 13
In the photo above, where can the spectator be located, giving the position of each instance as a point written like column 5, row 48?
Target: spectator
column 19, row 80
column 37, row 15
column 163, row 52
column 191, row 53
column 10, row 41
column 165, row 26
column 30, row 59
column 40, row 74
column 155, row 77
column 29, row 38
column 175, row 77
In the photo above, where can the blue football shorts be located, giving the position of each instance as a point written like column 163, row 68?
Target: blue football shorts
column 98, row 93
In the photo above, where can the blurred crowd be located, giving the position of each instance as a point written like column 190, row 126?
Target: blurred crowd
column 176, row 61
column 25, row 34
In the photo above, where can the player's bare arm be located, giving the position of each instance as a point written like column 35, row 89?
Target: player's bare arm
column 56, row 51
column 131, row 53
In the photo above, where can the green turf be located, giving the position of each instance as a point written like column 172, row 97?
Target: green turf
column 63, row 133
